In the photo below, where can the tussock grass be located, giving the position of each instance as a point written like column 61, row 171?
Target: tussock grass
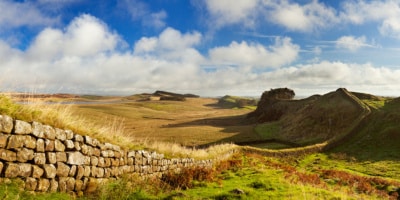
column 106, row 129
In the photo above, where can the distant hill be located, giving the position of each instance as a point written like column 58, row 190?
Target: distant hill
column 228, row 101
column 161, row 95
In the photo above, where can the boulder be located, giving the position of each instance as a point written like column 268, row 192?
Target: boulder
column 6, row 124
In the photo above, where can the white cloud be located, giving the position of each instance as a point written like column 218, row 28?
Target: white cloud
column 170, row 61
column 305, row 18
column 17, row 14
column 351, row 43
column 281, row 53
column 226, row 12
column 140, row 11
column 386, row 13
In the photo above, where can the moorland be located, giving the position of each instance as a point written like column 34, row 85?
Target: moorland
column 352, row 142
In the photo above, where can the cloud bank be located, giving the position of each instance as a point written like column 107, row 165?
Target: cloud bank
column 88, row 57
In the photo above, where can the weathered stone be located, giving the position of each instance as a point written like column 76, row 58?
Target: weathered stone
column 51, row 157
column 107, row 162
column 94, row 161
column 40, row 145
column 50, row 171
column 77, row 146
column 22, row 127
column 25, row 154
column 3, row 139
column 88, row 140
column 131, row 154
column 80, row 171
column 39, row 158
column 115, row 162
column 97, row 172
column 43, row 185
column 48, row 145
column 16, row 142
column 8, row 155
column 59, row 146
column 75, row 158
column 87, row 171
column 130, row 161
column 37, row 172
column 96, row 152
column 101, row 162
column 53, row 185
column 78, row 138
column 87, row 150
column 49, row 132
column 117, row 154
column 37, row 129
column 30, row 184
column 87, row 160
column 78, row 185
column 70, row 184
column 107, row 153
column 62, row 184
column 1, row 166
column 61, row 157
column 18, row 170
column 69, row 144
column 69, row 135
column 62, row 169
column 72, row 171
column 60, row 134
column 6, row 124
column 30, row 142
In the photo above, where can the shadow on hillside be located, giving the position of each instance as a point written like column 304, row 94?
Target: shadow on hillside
column 240, row 126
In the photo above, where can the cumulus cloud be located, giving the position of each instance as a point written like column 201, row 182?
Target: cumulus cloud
column 386, row 13
column 351, row 43
column 254, row 54
column 67, row 60
column 305, row 18
column 17, row 14
column 140, row 11
column 224, row 12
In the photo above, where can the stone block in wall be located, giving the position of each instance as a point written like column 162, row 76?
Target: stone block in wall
column 48, row 145
column 107, row 162
column 97, row 172
column 40, row 145
column 77, row 146
column 59, row 146
column 22, row 127
column 107, row 153
column 69, row 135
column 8, row 155
column 101, row 162
column 107, row 172
column 43, row 185
column 86, row 149
column 18, row 170
column 30, row 142
column 80, row 171
column 91, row 141
column 39, row 158
column 78, row 185
column 78, row 138
column 114, row 162
column 1, row 167
column 131, row 154
column 61, row 157
column 72, row 171
column 130, row 161
column 75, row 158
column 31, row 184
column 60, row 134
column 53, row 185
column 15, row 141
column 50, row 171
column 24, row 155
column 69, row 144
column 37, row 129
column 62, row 184
column 37, row 172
column 3, row 140
column 49, row 132
column 6, row 124
column 51, row 157
column 94, row 161
column 62, row 169
column 87, row 171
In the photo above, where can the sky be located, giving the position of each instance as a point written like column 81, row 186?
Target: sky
column 204, row 47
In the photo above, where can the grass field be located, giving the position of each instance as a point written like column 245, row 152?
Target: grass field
column 366, row 166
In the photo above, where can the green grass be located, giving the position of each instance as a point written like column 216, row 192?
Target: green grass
column 268, row 130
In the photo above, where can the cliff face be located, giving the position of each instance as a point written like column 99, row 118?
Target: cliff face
column 270, row 107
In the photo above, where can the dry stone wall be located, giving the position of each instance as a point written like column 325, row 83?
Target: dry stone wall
column 49, row 159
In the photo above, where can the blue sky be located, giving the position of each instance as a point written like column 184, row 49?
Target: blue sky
column 206, row 47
